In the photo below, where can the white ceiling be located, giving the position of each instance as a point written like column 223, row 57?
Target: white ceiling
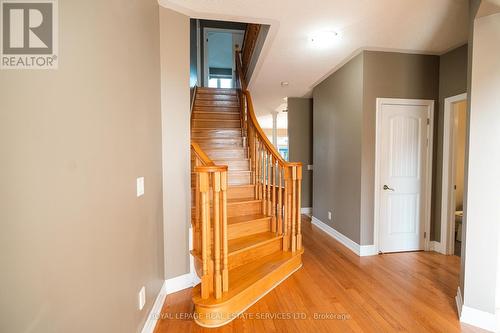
column 424, row 26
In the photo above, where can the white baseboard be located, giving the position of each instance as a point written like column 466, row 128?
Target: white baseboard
column 478, row 318
column 154, row 314
column 180, row 282
column 306, row 210
column 360, row 250
column 459, row 301
column 475, row 317
column 437, row 247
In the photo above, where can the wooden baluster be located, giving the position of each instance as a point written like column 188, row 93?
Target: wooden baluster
column 216, row 207
column 196, row 229
column 294, row 207
column 268, row 188
column 286, row 232
column 273, row 200
column 257, row 166
column 225, row 250
column 280, row 203
column 205, row 234
column 263, row 190
column 299, row 194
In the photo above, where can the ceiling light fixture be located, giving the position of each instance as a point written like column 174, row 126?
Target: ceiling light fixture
column 324, row 38
column 284, row 84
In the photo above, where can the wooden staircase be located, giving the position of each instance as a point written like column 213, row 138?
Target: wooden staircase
column 245, row 208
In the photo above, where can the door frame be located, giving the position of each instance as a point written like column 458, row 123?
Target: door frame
column 447, row 197
column 205, row 32
column 428, row 179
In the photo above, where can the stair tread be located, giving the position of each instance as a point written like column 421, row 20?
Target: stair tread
column 243, row 277
column 246, row 242
column 246, row 218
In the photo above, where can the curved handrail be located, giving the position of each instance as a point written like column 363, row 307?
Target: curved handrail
column 251, row 115
column 205, row 160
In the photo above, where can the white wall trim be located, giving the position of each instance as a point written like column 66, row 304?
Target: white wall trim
column 447, row 199
column 437, row 247
column 154, row 314
column 360, row 250
column 428, row 181
column 306, row 210
column 180, row 282
column 475, row 317
column 459, row 301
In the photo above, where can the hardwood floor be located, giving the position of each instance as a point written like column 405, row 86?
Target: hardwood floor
column 412, row 292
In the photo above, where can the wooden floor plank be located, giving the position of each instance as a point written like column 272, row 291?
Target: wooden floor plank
column 411, row 292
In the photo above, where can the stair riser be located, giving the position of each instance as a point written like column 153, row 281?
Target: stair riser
column 233, row 179
column 207, row 132
column 203, row 123
column 224, row 154
column 216, row 109
column 236, row 165
column 220, row 141
column 244, row 208
column 238, row 230
column 248, row 255
column 217, row 115
column 230, row 104
column 217, row 97
column 240, row 192
column 239, row 178
column 224, row 145
column 216, row 91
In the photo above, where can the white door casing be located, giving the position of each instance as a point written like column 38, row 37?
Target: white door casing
column 403, row 174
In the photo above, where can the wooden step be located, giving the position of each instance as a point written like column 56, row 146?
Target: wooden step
column 220, row 140
column 247, row 284
column 235, row 164
column 221, row 153
column 217, row 91
column 234, row 109
column 217, row 97
column 246, row 249
column 216, row 123
column 244, row 206
column 207, row 102
column 216, row 115
column 220, row 145
column 240, row 226
column 240, row 191
column 239, row 177
column 213, row 132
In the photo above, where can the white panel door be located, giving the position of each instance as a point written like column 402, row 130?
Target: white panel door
column 403, row 154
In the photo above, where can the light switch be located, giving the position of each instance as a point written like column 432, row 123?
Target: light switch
column 142, row 298
column 309, row 167
column 140, row 186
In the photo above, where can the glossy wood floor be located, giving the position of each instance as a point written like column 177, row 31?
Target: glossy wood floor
column 411, row 292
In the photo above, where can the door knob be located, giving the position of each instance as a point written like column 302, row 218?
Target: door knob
column 387, row 188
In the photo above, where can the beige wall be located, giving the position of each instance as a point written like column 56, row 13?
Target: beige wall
column 175, row 120
column 76, row 244
column 460, row 130
column 300, row 141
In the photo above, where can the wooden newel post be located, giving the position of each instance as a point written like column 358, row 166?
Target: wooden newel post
column 217, row 238
column 225, row 267
column 294, row 207
column 205, row 233
column 288, row 208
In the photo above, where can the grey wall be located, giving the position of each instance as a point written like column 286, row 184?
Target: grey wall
column 452, row 82
column 389, row 75
column 344, row 132
column 338, row 115
column 76, row 244
column 300, row 141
